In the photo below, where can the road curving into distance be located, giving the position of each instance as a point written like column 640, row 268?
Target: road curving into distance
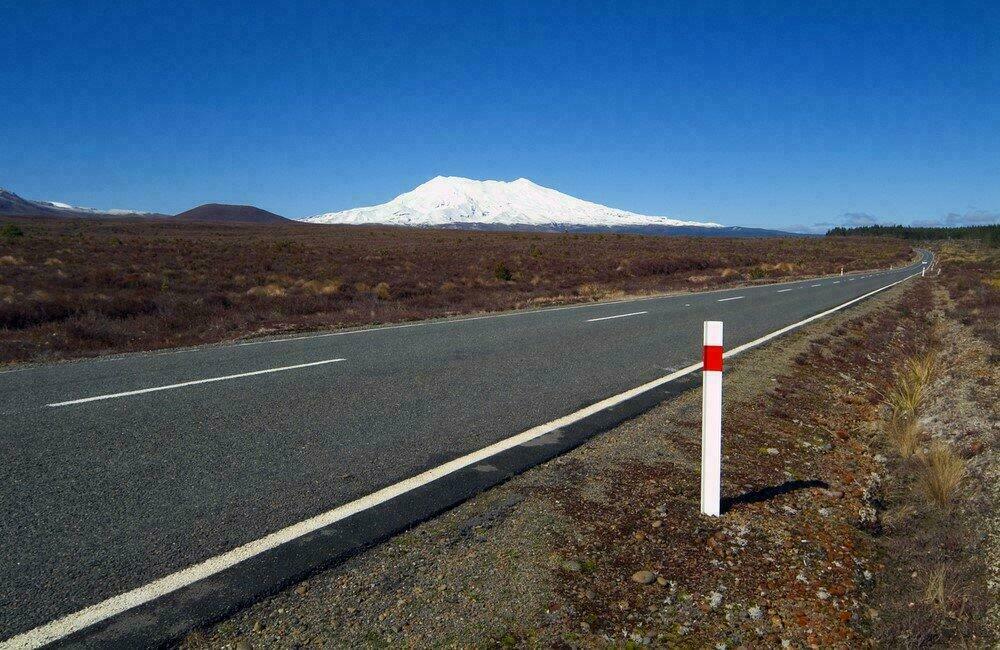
column 145, row 494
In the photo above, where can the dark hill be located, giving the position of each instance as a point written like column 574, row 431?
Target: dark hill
column 238, row 213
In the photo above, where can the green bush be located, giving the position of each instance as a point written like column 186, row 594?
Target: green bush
column 502, row 273
column 11, row 231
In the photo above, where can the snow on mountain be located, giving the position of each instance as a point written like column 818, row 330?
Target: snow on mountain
column 75, row 208
column 11, row 203
column 449, row 200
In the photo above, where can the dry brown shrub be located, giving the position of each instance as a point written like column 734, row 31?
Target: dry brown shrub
column 267, row 291
column 321, row 287
column 382, row 291
column 10, row 260
column 590, row 290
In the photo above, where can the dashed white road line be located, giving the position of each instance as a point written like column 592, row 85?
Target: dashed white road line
column 71, row 623
column 816, row 285
column 733, row 298
column 634, row 313
column 782, row 290
column 836, row 281
column 193, row 382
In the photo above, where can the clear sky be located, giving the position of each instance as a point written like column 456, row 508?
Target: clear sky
column 774, row 114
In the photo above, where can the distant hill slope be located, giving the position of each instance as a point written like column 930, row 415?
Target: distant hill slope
column 235, row 213
column 11, row 204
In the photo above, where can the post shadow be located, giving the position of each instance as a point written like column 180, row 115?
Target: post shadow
column 768, row 493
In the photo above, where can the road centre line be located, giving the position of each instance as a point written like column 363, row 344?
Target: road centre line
column 733, row 298
column 192, row 383
column 84, row 618
column 782, row 290
column 816, row 285
column 634, row 313
column 448, row 321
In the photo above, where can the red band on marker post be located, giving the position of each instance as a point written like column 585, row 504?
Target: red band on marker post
column 712, row 357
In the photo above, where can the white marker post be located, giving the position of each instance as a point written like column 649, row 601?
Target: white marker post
column 711, row 419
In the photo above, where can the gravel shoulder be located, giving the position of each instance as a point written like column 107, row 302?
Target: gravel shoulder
column 604, row 546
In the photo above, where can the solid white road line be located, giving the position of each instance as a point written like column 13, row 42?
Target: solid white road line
column 192, row 383
column 115, row 605
column 634, row 313
column 726, row 299
column 782, row 290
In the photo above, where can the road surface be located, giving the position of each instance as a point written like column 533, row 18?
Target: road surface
column 123, row 470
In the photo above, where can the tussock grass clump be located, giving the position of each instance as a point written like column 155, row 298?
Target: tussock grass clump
column 909, row 391
column 382, row 291
column 906, row 395
column 941, row 473
column 905, row 433
column 924, row 367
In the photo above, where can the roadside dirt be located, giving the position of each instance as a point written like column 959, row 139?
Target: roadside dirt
column 604, row 546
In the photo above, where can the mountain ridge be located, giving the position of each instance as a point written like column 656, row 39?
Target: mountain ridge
column 11, row 204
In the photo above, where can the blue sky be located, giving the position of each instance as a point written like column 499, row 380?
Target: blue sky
column 770, row 114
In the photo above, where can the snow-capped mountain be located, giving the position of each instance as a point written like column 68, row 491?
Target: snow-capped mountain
column 11, row 203
column 448, row 201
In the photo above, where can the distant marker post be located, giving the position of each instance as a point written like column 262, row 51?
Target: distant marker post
column 711, row 419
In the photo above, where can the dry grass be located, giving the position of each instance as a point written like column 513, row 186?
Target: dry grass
column 941, row 473
column 905, row 434
column 124, row 285
column 923, row 368
column 935, row 593
column 907, row 394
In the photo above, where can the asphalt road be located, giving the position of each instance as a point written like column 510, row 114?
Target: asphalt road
column 102, row 496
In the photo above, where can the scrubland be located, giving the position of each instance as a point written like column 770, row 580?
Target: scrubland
column 82, row 287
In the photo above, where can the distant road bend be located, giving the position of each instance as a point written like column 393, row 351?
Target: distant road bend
column 147, row 493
